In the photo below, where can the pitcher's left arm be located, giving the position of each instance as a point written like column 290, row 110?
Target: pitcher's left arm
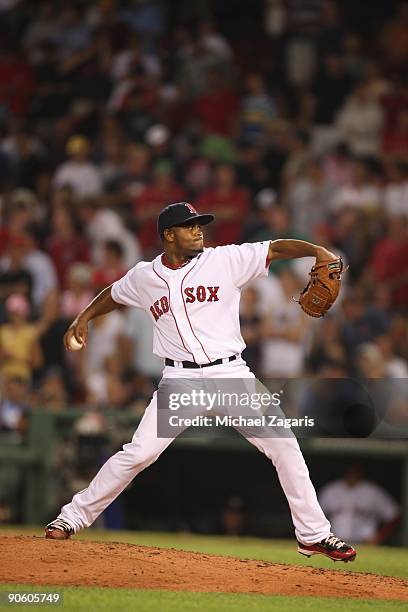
column 293, row 249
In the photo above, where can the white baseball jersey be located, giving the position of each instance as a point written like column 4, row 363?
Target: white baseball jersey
column 195, row 308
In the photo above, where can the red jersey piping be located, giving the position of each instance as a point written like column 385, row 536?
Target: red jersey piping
column 171, row 310
column 188, row 318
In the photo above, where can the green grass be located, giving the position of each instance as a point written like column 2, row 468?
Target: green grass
column 374, row 559
column 379, row 560
column 165, row 601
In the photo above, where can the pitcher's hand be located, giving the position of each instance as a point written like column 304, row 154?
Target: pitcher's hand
column 78, row 330
column 325, row 255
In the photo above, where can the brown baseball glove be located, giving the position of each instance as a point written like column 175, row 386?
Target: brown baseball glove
column 323, row 288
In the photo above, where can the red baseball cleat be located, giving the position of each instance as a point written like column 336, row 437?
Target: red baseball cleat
column 331, row 547
column 58, row 530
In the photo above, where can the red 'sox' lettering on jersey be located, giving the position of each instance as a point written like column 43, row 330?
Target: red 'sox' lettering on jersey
column 213, row 297
column 201, row 294
column 188, row 291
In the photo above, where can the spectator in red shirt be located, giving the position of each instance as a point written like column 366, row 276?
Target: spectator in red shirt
column 395, row 133
column 112, row 268
column 162, row 191
column 229, row 202
column 66, row 245
column 395, row 142
column 17, row 82
column 218, row 106
column 389, row 261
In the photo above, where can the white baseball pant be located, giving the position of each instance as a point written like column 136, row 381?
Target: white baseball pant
column 310, row 523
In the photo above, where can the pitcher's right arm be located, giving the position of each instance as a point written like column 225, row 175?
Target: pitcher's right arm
column 100, row 305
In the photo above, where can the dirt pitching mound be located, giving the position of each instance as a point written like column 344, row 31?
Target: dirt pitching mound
column 34, row 560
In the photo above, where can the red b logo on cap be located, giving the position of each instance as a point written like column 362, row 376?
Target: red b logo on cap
column 191, row 208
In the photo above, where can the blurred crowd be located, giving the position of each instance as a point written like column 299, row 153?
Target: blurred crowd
column 110, row 110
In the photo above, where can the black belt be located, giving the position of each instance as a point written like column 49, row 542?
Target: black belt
column 193, row 364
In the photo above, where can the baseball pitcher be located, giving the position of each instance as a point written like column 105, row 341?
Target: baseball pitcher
column 192, row 295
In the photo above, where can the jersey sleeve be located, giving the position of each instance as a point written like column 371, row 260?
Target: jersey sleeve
column 247, row 261
column 125, row 290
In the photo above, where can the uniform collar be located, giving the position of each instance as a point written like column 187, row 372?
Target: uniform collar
column 166, row 265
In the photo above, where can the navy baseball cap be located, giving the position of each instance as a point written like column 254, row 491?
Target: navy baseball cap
column 180, row 213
